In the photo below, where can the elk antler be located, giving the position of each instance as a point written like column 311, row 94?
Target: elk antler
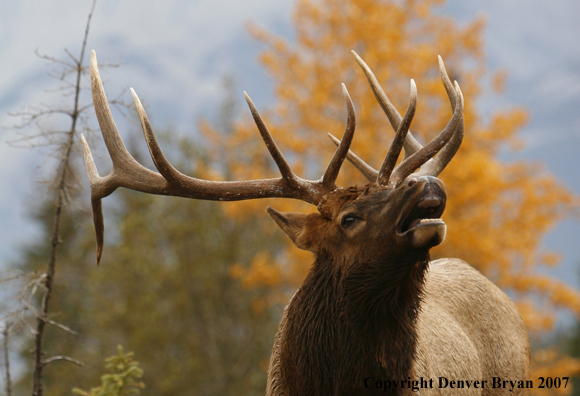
column 128, row 173
column 400, row 135
column 416, row 156
column 411, row 144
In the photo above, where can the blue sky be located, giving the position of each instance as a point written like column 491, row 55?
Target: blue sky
column 176, row 53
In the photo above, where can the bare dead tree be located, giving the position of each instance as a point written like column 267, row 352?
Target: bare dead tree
column 63, row 175
column 62, row 144
column 7, row 380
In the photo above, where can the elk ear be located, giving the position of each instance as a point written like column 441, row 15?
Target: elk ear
column 294, row 225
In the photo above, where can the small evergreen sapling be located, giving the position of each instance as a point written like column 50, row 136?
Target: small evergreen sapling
column 122, row 377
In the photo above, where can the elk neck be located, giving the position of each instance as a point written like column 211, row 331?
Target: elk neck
column 347, row 323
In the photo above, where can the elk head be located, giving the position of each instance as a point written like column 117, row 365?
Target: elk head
column 397, row 212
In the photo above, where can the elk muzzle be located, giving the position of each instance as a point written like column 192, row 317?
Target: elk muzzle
column 421, row 223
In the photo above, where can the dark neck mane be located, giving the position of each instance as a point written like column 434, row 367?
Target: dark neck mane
column 342, row 328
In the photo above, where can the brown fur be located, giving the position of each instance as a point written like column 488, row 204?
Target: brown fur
column 373, row 305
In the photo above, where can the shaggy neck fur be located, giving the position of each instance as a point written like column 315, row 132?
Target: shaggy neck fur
column 345, row 326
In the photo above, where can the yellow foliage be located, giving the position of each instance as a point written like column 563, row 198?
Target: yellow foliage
column 499, row 80
column 537, row 320
column 551, row 363
column 262, row 272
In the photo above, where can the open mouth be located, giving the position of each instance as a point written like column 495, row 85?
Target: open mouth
column 427, row 210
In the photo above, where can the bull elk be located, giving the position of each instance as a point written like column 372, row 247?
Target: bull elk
column 374, row 307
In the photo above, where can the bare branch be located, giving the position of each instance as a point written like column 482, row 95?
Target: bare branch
column 37, row 283
column 62, row 357
column 29, row 116
column 61, row 326
column 53, row 59
column 8, row 381
column 75, row 60
column 31, row 309
column 19, row 275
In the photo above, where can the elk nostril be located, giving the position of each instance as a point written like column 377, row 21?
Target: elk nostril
column 429, row 202
column 412, row 181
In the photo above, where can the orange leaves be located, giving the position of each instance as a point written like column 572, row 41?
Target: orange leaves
column 289, row 267
column 262, row 271
column 550, row 363
column 536, row 320
column 503, row 129
column 499, row 81
column 498, row 213
column 550, row 259
column 554, row 290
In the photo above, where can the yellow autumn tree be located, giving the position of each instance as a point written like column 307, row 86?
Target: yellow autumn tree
column 497, row 211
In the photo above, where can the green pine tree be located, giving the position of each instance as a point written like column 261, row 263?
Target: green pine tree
column 122, row 378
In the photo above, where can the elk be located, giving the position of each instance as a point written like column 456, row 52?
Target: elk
column 373, row 309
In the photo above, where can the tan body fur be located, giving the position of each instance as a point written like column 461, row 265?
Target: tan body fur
column 468, row 329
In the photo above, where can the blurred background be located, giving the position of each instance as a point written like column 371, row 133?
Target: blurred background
column 196, row 289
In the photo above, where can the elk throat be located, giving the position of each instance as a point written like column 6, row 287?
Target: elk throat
column 343, row 327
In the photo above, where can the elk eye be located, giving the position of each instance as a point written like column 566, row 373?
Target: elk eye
column 348, row 220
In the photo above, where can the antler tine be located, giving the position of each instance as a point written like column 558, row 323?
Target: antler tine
column 449, row 88
column 411, row 145
column 460, row 94
column 406, row 167
column 111, row 136
column 275, row 152
column 90, row 166
column 167, row 170
column 123, row 162
column 397, row 144
column 95, row 202
column 368, row 171
column 331, row 173
column 438, row 163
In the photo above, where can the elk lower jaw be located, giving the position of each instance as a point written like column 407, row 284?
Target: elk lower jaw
column 421, row 222
column 427, row 233
column 343, row 328
column 421, row 233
